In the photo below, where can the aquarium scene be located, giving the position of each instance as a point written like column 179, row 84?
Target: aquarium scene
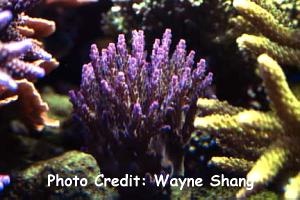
column 153, row 99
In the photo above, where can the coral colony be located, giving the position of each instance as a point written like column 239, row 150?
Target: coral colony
column 277, row 37
column 23, row 60
column 271, row 137
column 139, row 113
column 22, row 57
column 256, row 130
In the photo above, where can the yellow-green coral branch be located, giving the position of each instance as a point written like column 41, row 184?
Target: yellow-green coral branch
column 230, row 164
column 214, row 106
column 265, row 168
column 292, row 190
column 285, row 103
column 260, row 45
column 251, row 122
column 270, row 7
column 267, row 23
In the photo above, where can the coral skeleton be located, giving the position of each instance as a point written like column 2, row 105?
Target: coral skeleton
column 272, row 136
column 139, row 113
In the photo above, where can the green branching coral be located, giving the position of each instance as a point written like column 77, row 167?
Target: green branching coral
column 261, row 143
column 277, row 37
column 273, row 135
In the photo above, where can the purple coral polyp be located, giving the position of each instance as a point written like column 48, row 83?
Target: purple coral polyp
column 127, row 102
column 5, row 18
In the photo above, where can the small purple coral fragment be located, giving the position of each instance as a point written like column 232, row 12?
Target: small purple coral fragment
column 5, row 18
column 4, row 181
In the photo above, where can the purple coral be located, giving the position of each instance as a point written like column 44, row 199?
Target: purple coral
column 10, row 62
column 16, row 52
column 22, row 58
column 5, row 18
column 139, row 114
column 4, row 181
column 17, row 5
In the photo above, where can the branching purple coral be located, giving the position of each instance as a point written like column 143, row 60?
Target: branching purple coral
column 139, row 113
column 23, row 60
column 17, row 5
column 12, row 65
column 16, row 49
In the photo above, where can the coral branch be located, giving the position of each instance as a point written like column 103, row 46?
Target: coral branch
column 278, row 40
column 266, row 168
column 286, row 105
column 292, row 190
column 34, row 109
column 267, row 23
column 231, row 164
column 260, row 45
